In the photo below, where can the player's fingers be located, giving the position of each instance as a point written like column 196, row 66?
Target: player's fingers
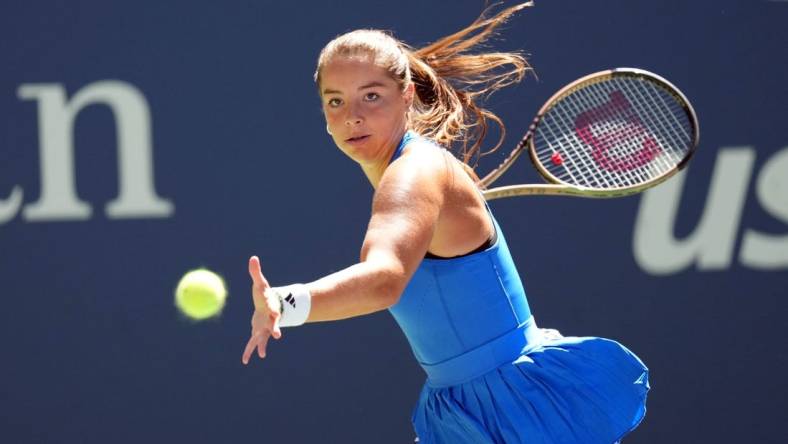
column 253, row 264
column 274, row 315
column 259, row 283
column 256, row 272
column 276, row 332
column 263, row 344
column 258, row 297
column 250, row 346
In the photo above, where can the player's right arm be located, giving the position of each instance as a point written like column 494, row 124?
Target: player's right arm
column 407, row 204
column 405, row 212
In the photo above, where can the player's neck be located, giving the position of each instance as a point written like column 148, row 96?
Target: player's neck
column 374, row 173
column 375, row 168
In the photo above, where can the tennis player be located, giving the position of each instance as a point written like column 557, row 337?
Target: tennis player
column 436, row 258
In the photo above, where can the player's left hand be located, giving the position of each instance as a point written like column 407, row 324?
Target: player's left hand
column 265, row 319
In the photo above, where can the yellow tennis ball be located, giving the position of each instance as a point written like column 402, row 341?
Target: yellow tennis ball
column 200, row 294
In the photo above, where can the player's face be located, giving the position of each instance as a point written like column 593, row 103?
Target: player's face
column 365, row 108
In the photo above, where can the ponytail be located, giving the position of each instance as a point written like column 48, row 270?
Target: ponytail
column 449, row 83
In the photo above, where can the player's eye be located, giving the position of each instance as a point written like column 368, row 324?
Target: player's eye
column 334, row 102
column 371, row 97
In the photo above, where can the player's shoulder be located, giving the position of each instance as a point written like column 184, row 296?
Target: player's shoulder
column 421, row 164
column 422, row 153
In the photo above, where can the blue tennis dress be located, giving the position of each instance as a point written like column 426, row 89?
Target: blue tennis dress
column 493, row 376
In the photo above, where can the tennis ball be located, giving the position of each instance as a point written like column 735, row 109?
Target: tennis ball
column 200, row 294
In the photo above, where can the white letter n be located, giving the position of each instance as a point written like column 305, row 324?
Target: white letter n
column 58, row 200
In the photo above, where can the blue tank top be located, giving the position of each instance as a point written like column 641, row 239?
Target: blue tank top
column 465, row 316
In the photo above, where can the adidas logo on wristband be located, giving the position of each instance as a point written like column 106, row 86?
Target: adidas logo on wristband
column 299, row 303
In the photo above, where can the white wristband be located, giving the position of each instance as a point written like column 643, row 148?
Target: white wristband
column 296, row 302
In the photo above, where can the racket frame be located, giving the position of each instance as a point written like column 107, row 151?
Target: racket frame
column 556, row 187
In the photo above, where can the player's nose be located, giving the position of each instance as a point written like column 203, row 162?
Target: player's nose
column 353, row 116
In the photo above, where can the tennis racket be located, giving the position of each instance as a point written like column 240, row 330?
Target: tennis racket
column 609, row 134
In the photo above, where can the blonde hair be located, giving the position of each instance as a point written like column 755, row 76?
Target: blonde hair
column 448, row 81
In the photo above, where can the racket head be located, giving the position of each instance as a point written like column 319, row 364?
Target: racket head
column 614, row 133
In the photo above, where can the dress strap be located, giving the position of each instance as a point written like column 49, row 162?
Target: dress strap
column 407, row 137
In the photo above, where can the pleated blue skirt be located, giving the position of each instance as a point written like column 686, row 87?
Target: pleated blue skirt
column 568, row 390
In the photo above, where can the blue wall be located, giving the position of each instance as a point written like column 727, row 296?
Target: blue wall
column 93, row 350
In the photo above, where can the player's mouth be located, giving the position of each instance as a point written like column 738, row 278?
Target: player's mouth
column 357, row 139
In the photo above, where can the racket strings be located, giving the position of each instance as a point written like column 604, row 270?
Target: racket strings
column 616, row 127
column 554, row 143
column 616, row 133
column 576, row 167
column 553, row 124
column 575, row 148
column 625, row 144
column 642, row 145
column 665, row 113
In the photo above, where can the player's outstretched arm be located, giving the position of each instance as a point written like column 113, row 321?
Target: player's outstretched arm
column 405, row 211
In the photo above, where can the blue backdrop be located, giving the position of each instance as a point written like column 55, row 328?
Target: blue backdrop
column 142, row 139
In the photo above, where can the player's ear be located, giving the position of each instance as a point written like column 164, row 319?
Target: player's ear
column 408, row 94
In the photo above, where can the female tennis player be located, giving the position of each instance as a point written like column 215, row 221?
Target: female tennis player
column 436, row 258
